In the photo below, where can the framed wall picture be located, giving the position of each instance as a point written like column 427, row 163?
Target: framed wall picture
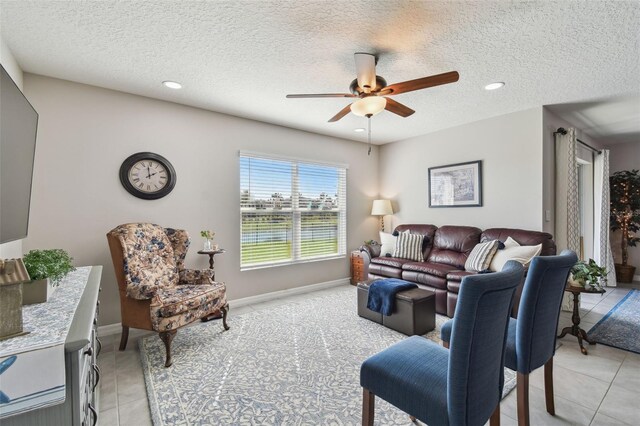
column 456, row 185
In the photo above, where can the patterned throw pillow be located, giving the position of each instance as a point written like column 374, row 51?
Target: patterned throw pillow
column 480, row 257
column 409, row 246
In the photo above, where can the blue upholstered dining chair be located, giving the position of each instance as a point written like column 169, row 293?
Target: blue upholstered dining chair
column 461, row 386
column 531, row 342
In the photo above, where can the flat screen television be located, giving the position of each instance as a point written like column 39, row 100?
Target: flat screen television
column 18, row 126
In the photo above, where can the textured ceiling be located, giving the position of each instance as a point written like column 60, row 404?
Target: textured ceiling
column 243, row 57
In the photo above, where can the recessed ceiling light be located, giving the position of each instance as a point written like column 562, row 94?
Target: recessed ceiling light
column 494, row 86
column 361, row 129
column 172, row 84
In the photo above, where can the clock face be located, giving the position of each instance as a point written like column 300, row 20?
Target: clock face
column 147, row 175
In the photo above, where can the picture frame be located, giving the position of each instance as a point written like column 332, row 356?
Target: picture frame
column 456, row 185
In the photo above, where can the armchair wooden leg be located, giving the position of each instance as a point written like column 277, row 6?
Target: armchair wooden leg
column 124, row 337
column 167, row 338
column 523, row 399
column 548, row 387
column 368, row 407
column 445, row 344
column 225, row 311
column 494, row 420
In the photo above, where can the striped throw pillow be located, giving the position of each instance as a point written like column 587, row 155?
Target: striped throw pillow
column 409, row 246
column 481, row 256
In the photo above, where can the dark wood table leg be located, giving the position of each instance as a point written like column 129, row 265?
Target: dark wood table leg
column 575, row 329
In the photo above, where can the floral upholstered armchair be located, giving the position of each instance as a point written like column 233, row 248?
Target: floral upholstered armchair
column 156, row 291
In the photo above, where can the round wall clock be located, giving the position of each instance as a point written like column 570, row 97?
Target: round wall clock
column 147, row 175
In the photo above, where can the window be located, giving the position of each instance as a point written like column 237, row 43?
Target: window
column 291, row 210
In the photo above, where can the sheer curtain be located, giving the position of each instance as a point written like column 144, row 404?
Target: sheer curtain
column 602, row 245
column 567, row 227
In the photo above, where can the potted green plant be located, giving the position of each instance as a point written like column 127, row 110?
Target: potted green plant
column 46, row 269
column 625, row 217
column 589, row 273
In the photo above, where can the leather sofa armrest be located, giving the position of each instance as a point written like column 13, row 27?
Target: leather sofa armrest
column 371, row 250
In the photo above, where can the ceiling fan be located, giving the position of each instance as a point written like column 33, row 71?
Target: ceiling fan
column 373, row 90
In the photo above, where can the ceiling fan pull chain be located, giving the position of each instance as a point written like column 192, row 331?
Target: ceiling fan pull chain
column 369, row 138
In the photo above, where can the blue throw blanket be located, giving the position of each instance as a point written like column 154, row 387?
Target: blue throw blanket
column 382, row 294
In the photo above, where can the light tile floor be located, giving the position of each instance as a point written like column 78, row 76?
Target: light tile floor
column 602, row 388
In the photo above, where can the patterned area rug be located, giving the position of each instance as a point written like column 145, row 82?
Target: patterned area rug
column 620, row 328
column 295, row 364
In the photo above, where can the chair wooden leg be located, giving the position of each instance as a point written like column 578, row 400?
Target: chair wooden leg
column 368, row 407
column 167, row 338
column 413, row 419
column 225, row 311
column 548, row 387
column 445, row 344
column 494, row 420
column 124, row 337
column 523, row 399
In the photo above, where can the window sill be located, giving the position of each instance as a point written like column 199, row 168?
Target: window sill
column 292, row 262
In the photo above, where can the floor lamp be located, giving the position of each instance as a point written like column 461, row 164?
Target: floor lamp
column 381, row 208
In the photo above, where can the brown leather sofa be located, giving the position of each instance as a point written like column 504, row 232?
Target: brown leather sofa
column 445, row 251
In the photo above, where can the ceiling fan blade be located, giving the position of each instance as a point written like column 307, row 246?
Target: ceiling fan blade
column 366, row 71
column 420, row 83
column 398, row 108
column 344, row 111
column 323, row 95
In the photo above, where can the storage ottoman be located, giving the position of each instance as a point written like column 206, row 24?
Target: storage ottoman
column 414, row 312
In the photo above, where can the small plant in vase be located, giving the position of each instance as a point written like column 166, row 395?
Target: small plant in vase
column 589, row 274
column 208, row 239
column 46, row 269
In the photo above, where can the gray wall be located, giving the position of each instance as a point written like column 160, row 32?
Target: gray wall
column 86, row 132
column 511, row 149
column 625, row 156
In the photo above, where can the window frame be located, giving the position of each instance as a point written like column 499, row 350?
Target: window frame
column 297, row 213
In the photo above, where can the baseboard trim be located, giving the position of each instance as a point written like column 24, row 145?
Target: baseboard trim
column 110, row 329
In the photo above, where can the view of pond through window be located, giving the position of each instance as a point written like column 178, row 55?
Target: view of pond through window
column 291, row 211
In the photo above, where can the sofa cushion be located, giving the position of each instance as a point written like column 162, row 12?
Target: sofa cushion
column 390, row 261
column 437, row 269
column 409, row 246
column 170, row 301
column 523, row 237
column 452, row 245
column 458, row 275
column 384, row 270
column 480, row 257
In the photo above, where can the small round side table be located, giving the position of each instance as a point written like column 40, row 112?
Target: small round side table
column 211, row 254
column 575, row 329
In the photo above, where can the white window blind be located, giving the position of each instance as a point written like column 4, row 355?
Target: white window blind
column 291, row 210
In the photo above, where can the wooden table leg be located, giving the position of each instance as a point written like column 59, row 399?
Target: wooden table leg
column 575, row 329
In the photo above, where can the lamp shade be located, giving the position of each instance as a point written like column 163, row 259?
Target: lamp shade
column 369, row 105
column 381, row 208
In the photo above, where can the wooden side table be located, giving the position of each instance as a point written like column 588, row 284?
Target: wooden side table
column 357, row 268
column 211, row 254
column 575, row 329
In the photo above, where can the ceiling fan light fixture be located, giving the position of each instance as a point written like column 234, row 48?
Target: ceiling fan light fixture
column 371, row 105
column 494, row 86
column 172, row 84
